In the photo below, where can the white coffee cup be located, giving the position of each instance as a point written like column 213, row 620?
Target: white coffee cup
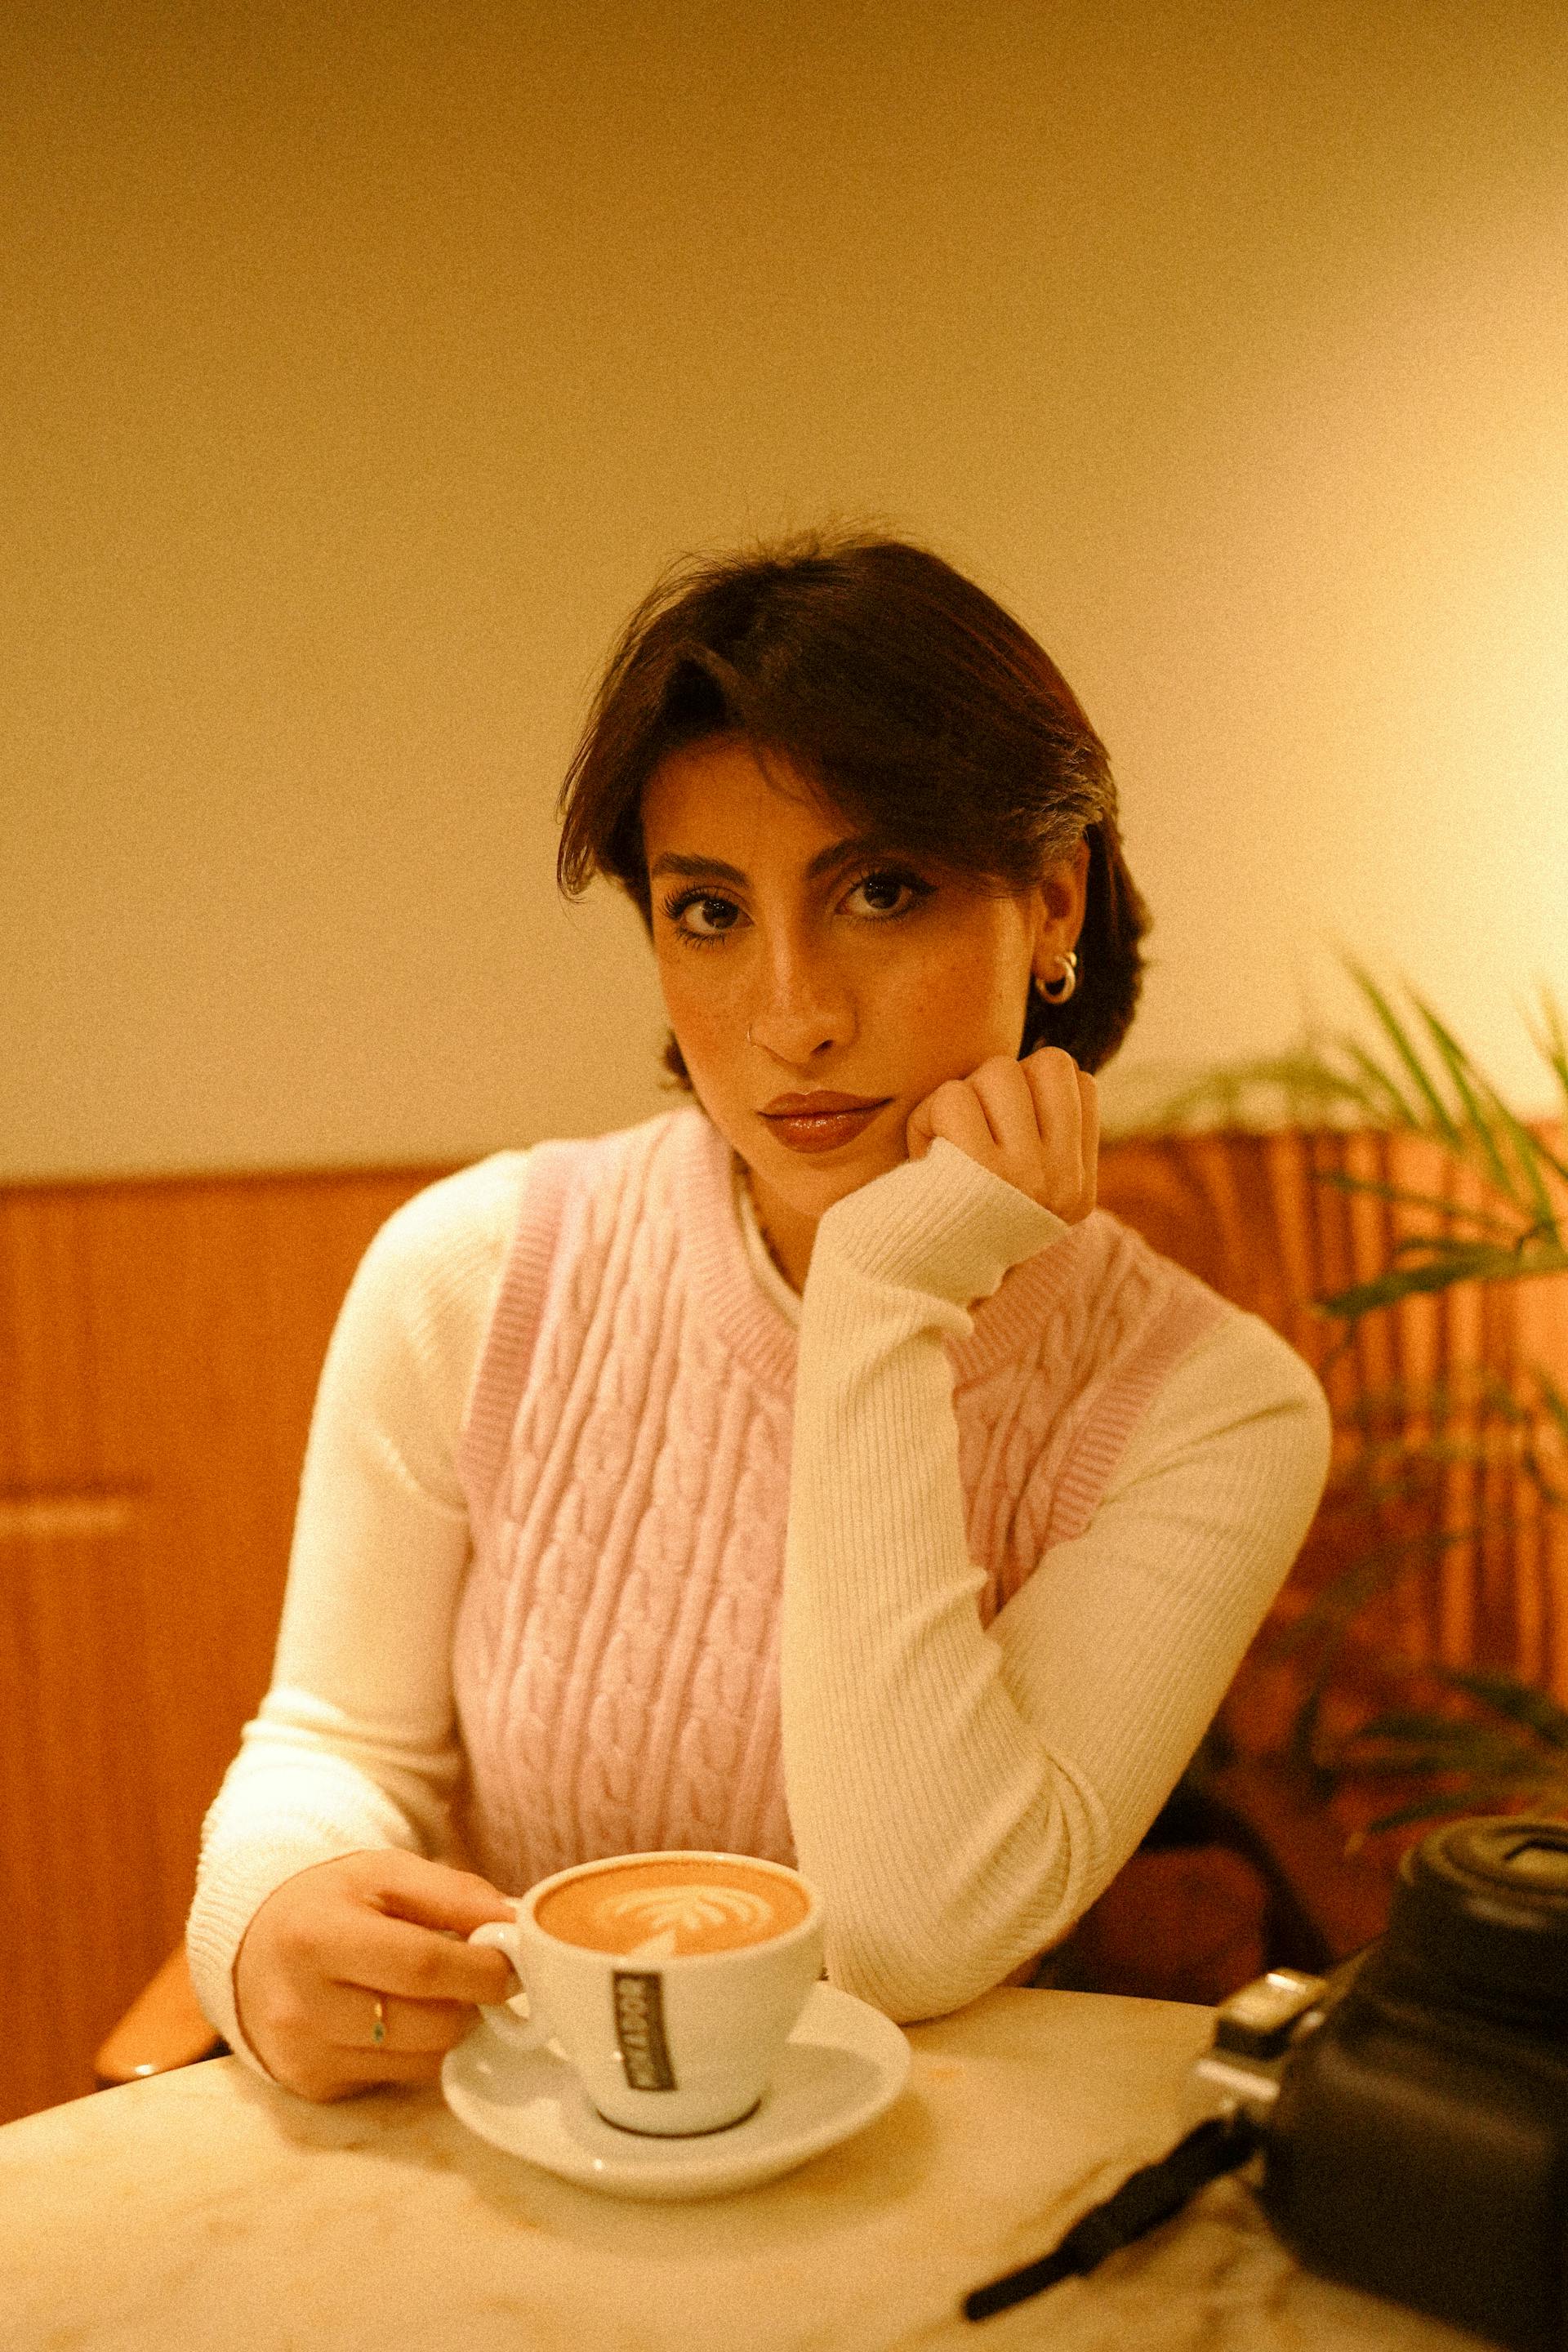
column 678, row 2032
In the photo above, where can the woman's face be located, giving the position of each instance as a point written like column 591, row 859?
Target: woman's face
column 796, row 962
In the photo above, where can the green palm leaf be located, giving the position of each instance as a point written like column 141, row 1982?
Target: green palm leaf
column 1341, row 1182
column 1377, row 1094
column 1533, row 1155
column 1456, row 1062
column 1552, row 1046
column 1441, row 1271
column 1520, row 1702
column 1438, row 1111
column 1509, row 1741
column 1553, row 1398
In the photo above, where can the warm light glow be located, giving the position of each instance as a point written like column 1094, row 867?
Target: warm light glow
column 361, row 381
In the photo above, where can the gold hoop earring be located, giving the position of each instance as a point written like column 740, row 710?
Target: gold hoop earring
column 1057, row 992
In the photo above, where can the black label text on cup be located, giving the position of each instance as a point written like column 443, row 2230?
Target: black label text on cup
column 639, row 2029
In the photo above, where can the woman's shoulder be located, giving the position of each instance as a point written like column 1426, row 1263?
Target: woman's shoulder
column 1239, row 1393
column 421, row 1297
column 445, row 1248
column 1243, row 1360
column 458, row 1225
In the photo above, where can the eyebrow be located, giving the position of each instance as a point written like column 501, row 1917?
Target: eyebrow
column 826, row 861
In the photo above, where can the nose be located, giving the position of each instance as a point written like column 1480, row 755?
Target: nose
column 803, row 1009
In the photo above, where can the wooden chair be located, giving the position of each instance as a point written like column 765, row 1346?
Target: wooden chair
column 165, row 2027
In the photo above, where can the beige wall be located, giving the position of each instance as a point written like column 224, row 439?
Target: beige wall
column 363, row 363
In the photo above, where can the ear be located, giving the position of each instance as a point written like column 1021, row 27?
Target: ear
column 1060, row 895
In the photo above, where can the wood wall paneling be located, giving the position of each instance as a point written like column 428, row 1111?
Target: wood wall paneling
column 1482, row 1562
column 81, row 1846
column 159, row 1345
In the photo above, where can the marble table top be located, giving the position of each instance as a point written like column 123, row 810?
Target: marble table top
column 208, row 2208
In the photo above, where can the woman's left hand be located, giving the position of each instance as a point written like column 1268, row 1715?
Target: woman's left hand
column 1035, row 1123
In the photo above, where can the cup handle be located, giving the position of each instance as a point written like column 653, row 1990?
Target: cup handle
column 523, row 2033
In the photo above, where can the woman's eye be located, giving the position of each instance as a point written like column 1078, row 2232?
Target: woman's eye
column 701, row 918
column 882, row 892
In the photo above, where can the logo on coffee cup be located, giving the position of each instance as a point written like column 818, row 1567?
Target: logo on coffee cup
column 639, row 2029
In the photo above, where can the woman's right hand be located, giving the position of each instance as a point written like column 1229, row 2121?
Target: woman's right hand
column 331, row 1938
column 1035, row 1123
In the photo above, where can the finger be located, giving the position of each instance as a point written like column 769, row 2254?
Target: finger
column 393, row 1955
column 345, row 2017
column 336, row 2075
column 407, row 1889
column 415, row 2067
column 432, row 1893
column 1052, row 1077
column 1008, row 1100
column 1068, row 1105
column 920, row 1135
column 1089, row 1096
column 955, row 1113
column 404, row 2066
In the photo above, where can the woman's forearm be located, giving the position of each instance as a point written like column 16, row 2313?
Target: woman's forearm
column 963, row 1795
column 945, row 1841
column 354, row 1745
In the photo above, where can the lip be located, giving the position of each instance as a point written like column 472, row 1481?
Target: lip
column 823, row 1122
column 820, row 1105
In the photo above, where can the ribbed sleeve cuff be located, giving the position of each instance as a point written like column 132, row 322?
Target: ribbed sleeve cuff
column 943, row 1225
column 231, row 1889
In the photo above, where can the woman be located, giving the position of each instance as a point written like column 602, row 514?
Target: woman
column 812, row 1471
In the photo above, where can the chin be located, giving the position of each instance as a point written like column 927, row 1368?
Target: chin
column 813, row 1186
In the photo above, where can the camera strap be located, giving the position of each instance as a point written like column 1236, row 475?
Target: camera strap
column 1145, row 2199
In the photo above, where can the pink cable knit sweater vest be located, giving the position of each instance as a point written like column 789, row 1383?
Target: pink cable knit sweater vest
column 626, row 1457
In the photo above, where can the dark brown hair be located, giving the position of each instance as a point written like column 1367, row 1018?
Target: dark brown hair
column 922, row 712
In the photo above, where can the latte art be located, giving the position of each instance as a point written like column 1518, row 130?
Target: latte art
column 666, row 1909
column 691, row 1914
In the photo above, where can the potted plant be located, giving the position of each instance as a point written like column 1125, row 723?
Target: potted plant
column 1396, row 1734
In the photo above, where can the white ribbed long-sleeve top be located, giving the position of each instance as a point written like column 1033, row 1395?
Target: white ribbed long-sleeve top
column 969, row 1790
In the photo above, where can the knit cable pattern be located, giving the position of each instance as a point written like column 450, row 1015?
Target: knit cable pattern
column 626, row 1457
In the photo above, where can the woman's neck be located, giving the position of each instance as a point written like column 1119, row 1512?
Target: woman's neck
column 787, row 1235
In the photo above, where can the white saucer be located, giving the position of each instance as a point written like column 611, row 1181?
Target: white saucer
column 842, row 2066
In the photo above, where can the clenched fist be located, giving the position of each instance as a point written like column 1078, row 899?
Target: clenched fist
column 1035, row 1123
